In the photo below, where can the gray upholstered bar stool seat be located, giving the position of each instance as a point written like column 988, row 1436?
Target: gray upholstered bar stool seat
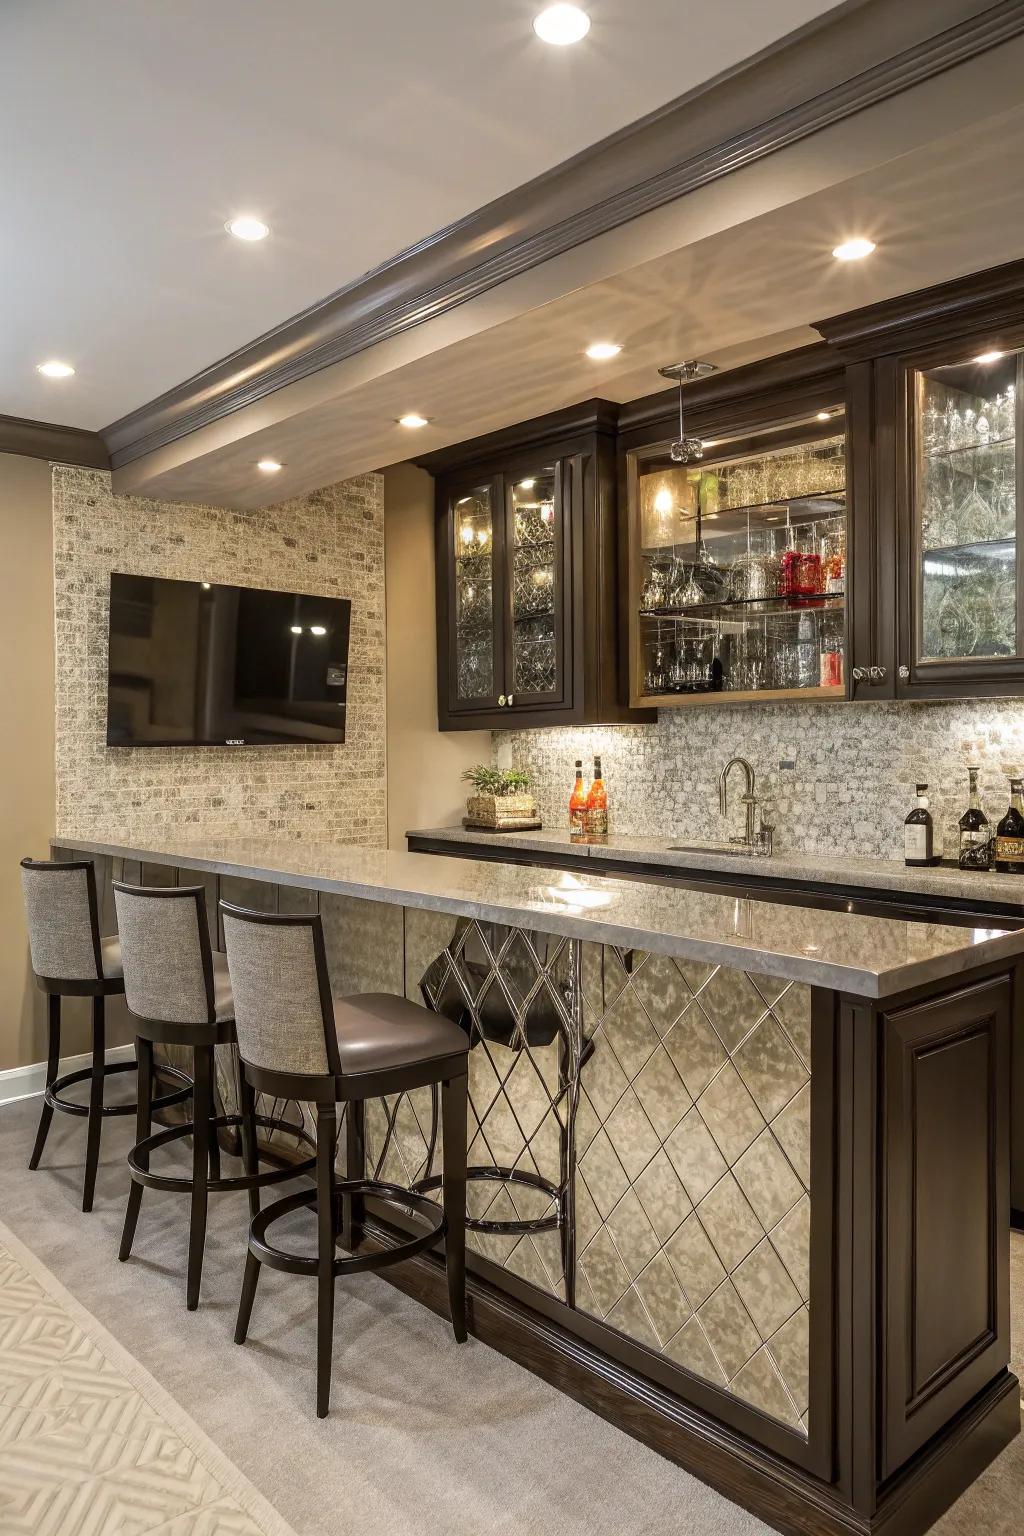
column 179, row 993
column 70, row 958
column 298, row 1042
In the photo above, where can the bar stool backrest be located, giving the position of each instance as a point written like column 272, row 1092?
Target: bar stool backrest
column 284, row 1016
column 165, row 952
column 63, row 919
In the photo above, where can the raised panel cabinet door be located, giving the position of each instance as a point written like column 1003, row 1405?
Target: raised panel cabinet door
column 945, row 1143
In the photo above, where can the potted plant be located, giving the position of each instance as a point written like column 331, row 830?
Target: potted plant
column 502, row 801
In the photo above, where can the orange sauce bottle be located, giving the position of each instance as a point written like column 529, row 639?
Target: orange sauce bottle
column 578, row 806
column 597, row 808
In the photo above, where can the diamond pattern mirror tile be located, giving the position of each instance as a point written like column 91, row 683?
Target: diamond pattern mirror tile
column 693, row 1198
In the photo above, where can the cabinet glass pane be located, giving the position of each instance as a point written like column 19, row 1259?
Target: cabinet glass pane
column 967, row 511
column 536, row 538
column 473, row 522
column 743, row 571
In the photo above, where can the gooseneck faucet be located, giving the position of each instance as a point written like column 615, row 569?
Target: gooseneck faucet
column 757, row 839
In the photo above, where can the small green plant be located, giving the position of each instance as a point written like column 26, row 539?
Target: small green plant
column 495, row 781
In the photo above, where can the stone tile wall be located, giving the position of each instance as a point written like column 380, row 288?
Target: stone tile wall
column 851, row 783
column 330, row 542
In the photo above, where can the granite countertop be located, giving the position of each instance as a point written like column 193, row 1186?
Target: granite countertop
column 867, row 956
column 837, row 869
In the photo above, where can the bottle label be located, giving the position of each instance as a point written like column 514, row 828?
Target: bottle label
column 597, row 823
column 1010, row 850
column 577, row 823
column 974, row 850
column 915, row 842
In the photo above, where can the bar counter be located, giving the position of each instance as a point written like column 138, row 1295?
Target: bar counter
column 739, row 1168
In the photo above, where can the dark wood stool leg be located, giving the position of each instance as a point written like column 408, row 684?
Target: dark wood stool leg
column 248, row 1296
column 143, row 1128
column 250, row 1160
column 52, row 1068
column 202, row 1105
column 453, row 1129
column 214, row 1141
column 355, row 1168
column 326, row 1147
column 92, row 1144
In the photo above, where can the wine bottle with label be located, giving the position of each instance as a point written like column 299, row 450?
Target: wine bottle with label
column 1009, row 845
column 975, row 833
column 578, row 806
column 919, row 833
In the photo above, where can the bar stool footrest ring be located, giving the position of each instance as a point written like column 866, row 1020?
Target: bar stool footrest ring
column 182, row 1183
column 499, row 1175
column 349, row 1264
column 52, row 1092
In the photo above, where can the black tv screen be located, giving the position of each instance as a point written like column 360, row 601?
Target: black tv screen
column 194, row 663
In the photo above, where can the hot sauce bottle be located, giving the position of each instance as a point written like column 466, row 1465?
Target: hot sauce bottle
column 578, row 806
column 597, row 808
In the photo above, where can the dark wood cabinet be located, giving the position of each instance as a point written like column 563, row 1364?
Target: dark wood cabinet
column 935, row 387
column 528, row 575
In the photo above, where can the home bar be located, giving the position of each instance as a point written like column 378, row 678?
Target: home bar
column 513, row 771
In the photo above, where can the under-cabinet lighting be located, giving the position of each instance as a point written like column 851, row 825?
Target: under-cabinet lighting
column 527, row 485
column 55, row 370
column 317, row 629
column 296, row 629
column 561, row 25
column 854, row 250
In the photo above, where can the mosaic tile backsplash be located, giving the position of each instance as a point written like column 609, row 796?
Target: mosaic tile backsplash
column 838, row 778
column 330, row 542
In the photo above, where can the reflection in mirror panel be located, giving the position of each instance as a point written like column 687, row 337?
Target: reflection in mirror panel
column 195, row 663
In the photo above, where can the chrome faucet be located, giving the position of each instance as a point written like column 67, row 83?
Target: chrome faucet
column 758, row 836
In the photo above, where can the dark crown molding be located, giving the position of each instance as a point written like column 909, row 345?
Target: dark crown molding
column 44, row 440
column 861, row 54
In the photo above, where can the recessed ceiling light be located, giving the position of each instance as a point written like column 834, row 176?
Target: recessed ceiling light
column 854, row 250
column 246, row 227
column 412, row 419
column 55, row 370
column 561, row 25
column 601, row 350
column 989, row 357
column 269, row 466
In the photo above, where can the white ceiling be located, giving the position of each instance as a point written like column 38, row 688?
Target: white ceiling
column 132, row 129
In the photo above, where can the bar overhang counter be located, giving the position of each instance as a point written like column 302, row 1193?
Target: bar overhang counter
column 742, row 1167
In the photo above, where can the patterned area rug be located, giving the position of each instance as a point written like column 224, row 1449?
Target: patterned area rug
column 90, row 1444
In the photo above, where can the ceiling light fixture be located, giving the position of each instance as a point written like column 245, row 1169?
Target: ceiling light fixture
column 600, row 351
column 269, row 466
column 989, row 357
column 413, row 419
column 686, row 450
column 55, row 370
column 246, row 227
column 854, row 250
column 561, row 25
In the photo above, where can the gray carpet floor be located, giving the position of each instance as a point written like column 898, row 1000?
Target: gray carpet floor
column 424, row 1436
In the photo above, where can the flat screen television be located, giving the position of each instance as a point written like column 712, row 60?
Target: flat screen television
column 198, row 664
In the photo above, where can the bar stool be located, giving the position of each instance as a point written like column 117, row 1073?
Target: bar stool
column 297, row 1041
column 179, row 993
column 70, row 959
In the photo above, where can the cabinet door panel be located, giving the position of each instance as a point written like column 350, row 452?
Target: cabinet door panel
column 946, row 1264
column 474, row 568
column 537, row 586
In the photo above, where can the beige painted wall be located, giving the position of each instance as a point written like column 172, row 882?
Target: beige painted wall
column 26, row 741
column 424, row 764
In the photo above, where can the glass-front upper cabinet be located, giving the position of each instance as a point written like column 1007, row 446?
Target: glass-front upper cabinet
column 738, row 568
column 964, row 604
column 476, row 619
column 535, row 534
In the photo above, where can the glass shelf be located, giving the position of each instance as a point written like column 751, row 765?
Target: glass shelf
column 953, row 453
column 746, row 607
column 815, row 499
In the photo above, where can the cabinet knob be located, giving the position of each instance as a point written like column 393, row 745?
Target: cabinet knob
column 859, row 674
column 501, row 701
column 904, row 674
column 877, row 674
column 510, row 701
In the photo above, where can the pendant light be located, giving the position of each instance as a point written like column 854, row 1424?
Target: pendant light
column 686, row 450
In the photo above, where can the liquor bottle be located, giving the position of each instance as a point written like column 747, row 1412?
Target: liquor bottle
column 1009, row 844
column 919, row 833
column 578, row 806
column 975, row 837
column 597, row 808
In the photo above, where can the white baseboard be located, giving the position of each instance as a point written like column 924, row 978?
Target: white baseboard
column 28, row 1082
